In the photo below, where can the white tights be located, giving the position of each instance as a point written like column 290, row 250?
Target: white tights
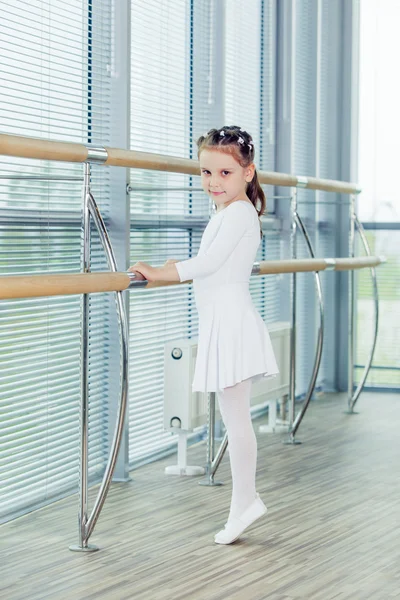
column 234, row 404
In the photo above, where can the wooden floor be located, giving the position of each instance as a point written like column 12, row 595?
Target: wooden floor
column 332, row 530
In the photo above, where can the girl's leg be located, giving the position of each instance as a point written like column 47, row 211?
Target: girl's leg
column 234, row 403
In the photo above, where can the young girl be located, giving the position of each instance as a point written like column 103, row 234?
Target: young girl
column 234, row 347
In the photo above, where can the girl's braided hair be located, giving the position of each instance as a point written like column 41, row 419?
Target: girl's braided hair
column 236, row 141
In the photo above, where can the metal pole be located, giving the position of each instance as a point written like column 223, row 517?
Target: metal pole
column 351, row 280
column 209, row 478
column 83, row 545
column 293, row 253
column 220, row 454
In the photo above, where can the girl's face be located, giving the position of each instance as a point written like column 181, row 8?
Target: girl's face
column 223, row 178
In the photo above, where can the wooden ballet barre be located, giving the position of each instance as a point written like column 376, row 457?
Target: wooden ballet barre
column 34, row 286
column 269, row 267
column 28, row 147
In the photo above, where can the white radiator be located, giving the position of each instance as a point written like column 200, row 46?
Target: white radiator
column 184, row 409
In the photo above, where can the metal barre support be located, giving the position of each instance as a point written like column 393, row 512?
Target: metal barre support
column 351, row 307
column 87, row 524
column 220, row 454
column 353, row 397
column 122, row 405
column 318, row 353
column 83, row 545
column 210, row 468
column 96, row 155
column 293, row 254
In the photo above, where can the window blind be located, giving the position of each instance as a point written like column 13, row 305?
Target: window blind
column 55, row 85
column 168, row 212
column 328, row 167
column 316, row 143
column 249, row 77
column 304, row 162
column 242, row 67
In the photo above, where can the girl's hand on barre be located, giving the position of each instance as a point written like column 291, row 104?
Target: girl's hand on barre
column 144, row 269
column 171, row 261
column 166, row 273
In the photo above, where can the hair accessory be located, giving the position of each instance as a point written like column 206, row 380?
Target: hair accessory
column 250, row 146
column 222, row 133
column 241, row 140
column 240, row 129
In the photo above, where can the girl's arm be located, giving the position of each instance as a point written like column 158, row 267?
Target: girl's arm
column 235, row 222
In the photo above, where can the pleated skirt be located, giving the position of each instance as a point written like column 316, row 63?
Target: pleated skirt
column 233, row 342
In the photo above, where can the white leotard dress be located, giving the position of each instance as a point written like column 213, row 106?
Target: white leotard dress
column 233, row 342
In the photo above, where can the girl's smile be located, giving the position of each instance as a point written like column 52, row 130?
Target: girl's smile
column 222, row 175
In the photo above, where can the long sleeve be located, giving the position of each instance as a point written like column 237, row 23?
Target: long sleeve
column 235, row 222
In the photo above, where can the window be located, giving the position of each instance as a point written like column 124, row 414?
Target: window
column 54, row 84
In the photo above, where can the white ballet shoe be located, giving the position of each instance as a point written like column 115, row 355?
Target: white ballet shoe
column 236, row 525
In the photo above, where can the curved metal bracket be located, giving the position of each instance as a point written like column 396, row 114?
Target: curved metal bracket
column 320, row 339
column 87, row 524
column 220, row 454
column 212, row 463
column 353, row 399
column 112, row 459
